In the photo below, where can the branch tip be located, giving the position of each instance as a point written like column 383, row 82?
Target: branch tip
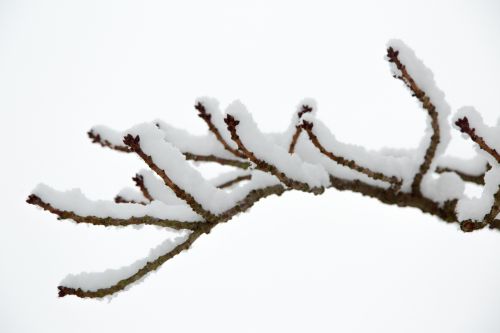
column 305, row 109
column 132, row 141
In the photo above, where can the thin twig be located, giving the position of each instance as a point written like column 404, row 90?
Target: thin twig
column 476, row 179
column 394, row 181
column 96, row 138
column 150, row 266
column 110, row 221
column 263, row 165
column 233, row 181
column 298, row 129
column 120, row 199
column 464, row 126
column 430, row 153
column 133, row 143
column 139, row 182
column 202, row 113
column 222, row 161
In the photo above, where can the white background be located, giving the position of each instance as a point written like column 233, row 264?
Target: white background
column 334, row 263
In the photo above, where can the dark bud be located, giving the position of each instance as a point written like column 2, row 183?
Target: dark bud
column 463, row 124
column 94, row 137
column 231, row 122
column 139, row 180
column 305, row 109
column 33, row 199
column 202, row 112
column 132, row 141
column 64, row 291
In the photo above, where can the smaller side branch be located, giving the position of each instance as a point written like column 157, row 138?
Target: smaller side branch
column 203, row 114
column 430, row 153
column 139, row 182
column 394, row 181
column 222, row 161
column 96, row 138
column 464, row 126
column 476, row 179
column 298, row 129
column 233, row 181
column 109, row 221
column 150, row 266
column 263, row 165
column 133, row 143
column 120, row 199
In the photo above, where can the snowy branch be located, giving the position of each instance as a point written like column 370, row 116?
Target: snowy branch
column 172, row 193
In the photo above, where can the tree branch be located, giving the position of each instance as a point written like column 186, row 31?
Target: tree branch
column 298, row 129
column 110, row 221
column 263, row 165
column 202, row 113
column 464, row 126
column 476, row 179
column 394, row 181
column 139, row 182
column 133, row 143
column 430, row 153
column 147, row 268
column 233, row 181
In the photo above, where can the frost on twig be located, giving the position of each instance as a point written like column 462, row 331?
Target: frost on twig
column 306, row 157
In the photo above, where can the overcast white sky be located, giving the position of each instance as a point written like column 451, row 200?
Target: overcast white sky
column 335, row 263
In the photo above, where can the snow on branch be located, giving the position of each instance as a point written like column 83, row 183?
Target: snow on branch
column 306, row 157
column 419, row 79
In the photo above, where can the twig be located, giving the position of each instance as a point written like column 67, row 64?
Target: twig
column 394, row 181
column 298, row 129
column 464, row 126
column 122, row 284
column 96, row 138
column 110, row 221
column 430, row 153
column 202, row 113
column 133, row 143
column 233, row 181
column 139, row 182
column 263, row 165
column 477, row 179
column 222, row 161
column 120, row 199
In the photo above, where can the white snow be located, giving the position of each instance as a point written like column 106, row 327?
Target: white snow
column 212, row 108
column 132, row 194
column 75, row 201
column 92, row 281
column 491, row 135
column 108, row 134
column 158, row 190
column 228, row 176
column 403, row 167
column 265, row 149
column 170, row 159
column 424, row 78
column 475, row 166
column 477, row 208
column 186, row 142
column 443, row 187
